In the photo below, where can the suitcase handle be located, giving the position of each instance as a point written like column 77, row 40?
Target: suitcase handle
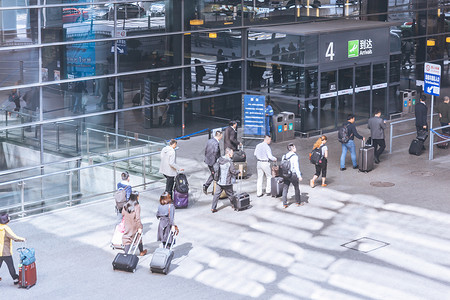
column 133, row 245
column 174, row 234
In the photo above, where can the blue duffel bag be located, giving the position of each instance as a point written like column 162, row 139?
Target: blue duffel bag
column 26, row 256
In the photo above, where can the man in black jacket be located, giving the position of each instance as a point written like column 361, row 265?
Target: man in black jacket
column 421, row 114
column 212, row 153
column 230, row 137
column 350, row 145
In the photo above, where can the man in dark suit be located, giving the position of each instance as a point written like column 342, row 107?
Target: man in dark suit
column 212, row 153
column 421, row 114
column 230, row 137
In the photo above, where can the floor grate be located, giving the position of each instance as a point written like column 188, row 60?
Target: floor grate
column 365, row 244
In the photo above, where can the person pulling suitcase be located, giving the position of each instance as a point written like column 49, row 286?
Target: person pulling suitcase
column 6, row 238
column 264, row 156
column 224, row 174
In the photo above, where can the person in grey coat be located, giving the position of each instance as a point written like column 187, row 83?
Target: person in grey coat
column 168, row 166
column 377, row 125
column 166, row 216
column 212, row 153
column 227, row 174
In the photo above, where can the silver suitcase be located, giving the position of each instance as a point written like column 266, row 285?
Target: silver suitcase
column 366, row 158
column 162, row 257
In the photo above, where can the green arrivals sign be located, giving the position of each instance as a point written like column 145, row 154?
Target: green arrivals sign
column 353, row 48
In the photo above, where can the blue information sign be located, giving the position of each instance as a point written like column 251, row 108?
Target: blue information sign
column 432, row 79
column 254, row 107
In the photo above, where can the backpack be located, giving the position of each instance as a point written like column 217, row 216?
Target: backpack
column 315, row 157
column 343, row 134
column 285, row 167
column 121, row 198
column 181, row 183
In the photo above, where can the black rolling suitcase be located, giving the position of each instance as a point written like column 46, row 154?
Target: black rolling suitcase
column 126, row 261
column 162, row 257
column 241, row 200
column 416, row 147
column 366, row 157
column 276, row 186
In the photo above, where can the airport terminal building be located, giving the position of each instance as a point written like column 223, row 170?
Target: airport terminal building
column 106, row 82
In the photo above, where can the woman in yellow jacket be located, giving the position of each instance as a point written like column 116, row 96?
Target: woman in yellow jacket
column 6, row 238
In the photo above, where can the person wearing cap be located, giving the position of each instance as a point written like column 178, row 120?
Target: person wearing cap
column 6, row 238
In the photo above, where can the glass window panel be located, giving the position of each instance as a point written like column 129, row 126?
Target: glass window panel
column 19, row 66
column 274, row 46
column 77, row 60
column 268, row 12
column 205, row 46
column 149, row 53
column 394, row 72
column 18, row 26
column 379, row 73
column 214, row 79
column 201, row 14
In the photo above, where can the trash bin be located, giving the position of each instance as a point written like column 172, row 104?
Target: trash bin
column 406, row 101
column 288, row 125
column 278, row 132
column 413, row 97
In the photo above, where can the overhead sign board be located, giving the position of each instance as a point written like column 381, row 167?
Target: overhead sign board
column 432, row 79
column 355, row 45
column 254, row 108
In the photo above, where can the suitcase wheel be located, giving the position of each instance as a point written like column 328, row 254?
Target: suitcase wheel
column 134, row 270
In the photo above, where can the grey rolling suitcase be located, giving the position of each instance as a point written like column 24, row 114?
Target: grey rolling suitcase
column 276, row 186
column 162, row 257
column 366, row 158
column 241, row 200
column 127, row 261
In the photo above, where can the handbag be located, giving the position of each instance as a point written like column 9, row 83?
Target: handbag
column 26, row 256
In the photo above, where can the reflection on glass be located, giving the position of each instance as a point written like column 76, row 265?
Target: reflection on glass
column 213, row 79
column 205, row 45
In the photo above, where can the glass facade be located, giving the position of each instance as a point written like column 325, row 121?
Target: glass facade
column 171, row 68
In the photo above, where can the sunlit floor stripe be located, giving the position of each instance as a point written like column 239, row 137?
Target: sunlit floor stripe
column 230, row 283
column 346, row 271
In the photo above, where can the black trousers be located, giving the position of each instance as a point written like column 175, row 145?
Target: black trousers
column 322, row 168
column 210, row 178
column 9, row 262
column 169, row 184
column 286, row 183
column 126, row 248
column 379, row 145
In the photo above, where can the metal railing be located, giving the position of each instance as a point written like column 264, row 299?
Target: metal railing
column 391, row 130
column 445, row 139
column 75, row 192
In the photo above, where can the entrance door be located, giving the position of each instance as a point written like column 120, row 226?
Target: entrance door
column 362, row 92
column 345, row 94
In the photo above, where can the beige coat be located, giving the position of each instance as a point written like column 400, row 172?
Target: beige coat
column 131, row 222
column 168, row 165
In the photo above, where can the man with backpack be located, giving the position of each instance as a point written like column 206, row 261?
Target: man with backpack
column 290, row 171
column 168, row 166
column 224, row 174
column 346, row 135
column 122, row 195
